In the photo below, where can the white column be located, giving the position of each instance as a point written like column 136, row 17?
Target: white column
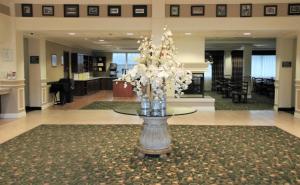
column 284, row 75
column 38, row 95
column 227, row 63
column 297, row 79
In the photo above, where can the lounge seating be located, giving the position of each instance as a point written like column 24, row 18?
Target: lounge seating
column 240, row 93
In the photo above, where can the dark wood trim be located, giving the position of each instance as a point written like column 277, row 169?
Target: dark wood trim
column 264, row 52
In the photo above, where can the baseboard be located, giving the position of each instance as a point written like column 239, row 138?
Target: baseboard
column 290, row 110
column 286, row 109
column 13, row 115
column 33, row 108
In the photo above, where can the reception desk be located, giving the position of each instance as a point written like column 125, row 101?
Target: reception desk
column 88, row 86
column 120, row 91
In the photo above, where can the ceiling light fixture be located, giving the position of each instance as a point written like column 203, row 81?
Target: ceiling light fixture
column 72, row 33
column 101, row 40
column 188, row 33
column 129, row 34
column 247, row 33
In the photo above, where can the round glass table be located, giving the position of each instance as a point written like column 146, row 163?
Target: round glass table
column 155, row 138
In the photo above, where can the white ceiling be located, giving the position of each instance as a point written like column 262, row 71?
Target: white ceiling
column 121, row 41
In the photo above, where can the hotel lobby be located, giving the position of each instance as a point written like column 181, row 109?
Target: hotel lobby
column 149, row 92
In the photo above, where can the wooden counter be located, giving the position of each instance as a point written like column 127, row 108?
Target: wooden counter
column 88, row 86
column 120, row 91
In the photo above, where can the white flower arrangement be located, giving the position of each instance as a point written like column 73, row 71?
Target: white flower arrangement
column 156, row 66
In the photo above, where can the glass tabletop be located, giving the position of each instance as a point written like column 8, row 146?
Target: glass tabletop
column 171, row 111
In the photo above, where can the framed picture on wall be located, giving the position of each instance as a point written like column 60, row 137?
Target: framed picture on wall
column 71, row 10
column 27, row 10
column 47, row 10
column 34, row 60
column 221, row 10
column 114, row 11
column 53, row 61
column 246, row 10
column 174, row 10
column 198, row 10
column 139, row 10
column 270, row 10
column 294, row 9
column 93, row 10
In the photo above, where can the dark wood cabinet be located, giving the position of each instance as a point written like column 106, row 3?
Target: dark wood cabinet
column 101, row 64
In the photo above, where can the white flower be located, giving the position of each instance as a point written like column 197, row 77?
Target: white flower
column 156, row 66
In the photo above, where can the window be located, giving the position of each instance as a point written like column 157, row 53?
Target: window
column 124, row 61
column 263, row 66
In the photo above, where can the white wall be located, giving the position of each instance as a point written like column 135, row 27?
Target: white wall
column 191, row 49
column 7, row 46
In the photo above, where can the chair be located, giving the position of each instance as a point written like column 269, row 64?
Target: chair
column 240, row 94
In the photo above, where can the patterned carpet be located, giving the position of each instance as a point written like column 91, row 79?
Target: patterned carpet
column 107, row 105
column 104, row 154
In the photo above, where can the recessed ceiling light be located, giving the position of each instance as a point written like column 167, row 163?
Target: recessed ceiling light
column 188, row 33
column 258, row 45
column 129, row 34
column 101, row 40
column 247, row 33
column 72, row 33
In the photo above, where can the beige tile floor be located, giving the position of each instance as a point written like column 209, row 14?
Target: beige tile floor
column 69, row 114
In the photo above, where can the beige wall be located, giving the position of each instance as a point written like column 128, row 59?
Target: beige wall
column 190, row 49
column 56, row 73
